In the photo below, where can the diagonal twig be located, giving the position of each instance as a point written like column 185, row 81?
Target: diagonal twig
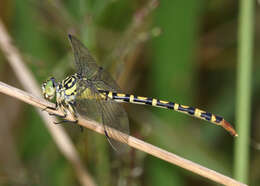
column 132, row 141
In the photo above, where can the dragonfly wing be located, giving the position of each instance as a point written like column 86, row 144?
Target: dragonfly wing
column 86, row 104
column 91, row 104
column 115, row 117
column 87, row 66
column 89, row 101
column 85, row 63
column 104, row 81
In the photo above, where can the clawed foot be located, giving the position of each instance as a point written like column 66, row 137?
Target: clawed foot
column 63, row 116
column 51, row 108
column 65, row 121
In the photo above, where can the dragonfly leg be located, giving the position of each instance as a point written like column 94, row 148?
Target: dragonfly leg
column 66, row 121
column 69, row 108
column 48, row 108
column 61, row 116
column 64, row 116
column 73, row 112
column 51, row 108
column 57, row 106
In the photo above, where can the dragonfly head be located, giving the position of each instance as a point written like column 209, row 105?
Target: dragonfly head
column 49, row 88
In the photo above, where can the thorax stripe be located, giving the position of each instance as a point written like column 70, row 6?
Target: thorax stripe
column 69, row 82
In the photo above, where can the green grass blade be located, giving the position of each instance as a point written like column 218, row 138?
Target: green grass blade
column 244, row 71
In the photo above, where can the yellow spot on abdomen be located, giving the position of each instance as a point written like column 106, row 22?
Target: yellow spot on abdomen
column 198, row 112
column 120, row 95
column 213, row 118
column 164, row 102
column 176, row 106
column 154, row 102
column 141, row 98
column 131, row 99
column 184, row 106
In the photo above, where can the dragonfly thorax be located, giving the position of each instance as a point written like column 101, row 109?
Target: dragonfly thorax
column 65, row 90
column 68, row 87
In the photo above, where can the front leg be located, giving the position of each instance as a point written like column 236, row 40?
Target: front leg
column 62, row 108
column 68, row 107
column 71, row 109
column 51, row 108
column 55, row 109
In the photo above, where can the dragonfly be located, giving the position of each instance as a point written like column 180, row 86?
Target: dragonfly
column 92, row 93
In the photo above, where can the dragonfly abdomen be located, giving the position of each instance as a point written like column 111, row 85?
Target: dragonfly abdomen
column 195, row 112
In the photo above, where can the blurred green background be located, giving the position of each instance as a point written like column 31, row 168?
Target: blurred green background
column 183, row 51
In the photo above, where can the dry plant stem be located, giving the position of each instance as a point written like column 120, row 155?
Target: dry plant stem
column 133, row 142
column 27, row 80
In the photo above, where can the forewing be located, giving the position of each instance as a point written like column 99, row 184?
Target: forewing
column 104, row 81
column 85, row 63
column 87, row 66
column 90, row 103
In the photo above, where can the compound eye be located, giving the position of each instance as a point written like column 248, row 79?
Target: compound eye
column 49, row 85
column 52, row 79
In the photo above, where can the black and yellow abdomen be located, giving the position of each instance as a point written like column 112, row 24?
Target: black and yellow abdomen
column 195, row 112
